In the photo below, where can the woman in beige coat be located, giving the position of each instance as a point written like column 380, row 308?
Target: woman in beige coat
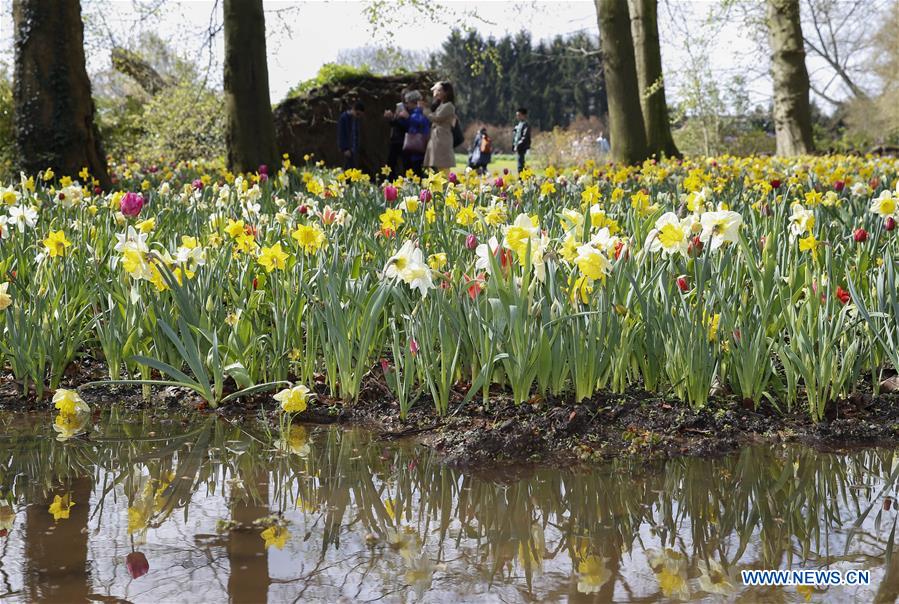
column 442, row 114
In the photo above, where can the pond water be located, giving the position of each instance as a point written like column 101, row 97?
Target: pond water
column 171, row 508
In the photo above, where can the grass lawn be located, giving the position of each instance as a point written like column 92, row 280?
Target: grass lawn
column 497, row 164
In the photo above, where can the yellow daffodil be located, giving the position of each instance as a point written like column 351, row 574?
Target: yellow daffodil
column 295, row 399
column 5, row 298
column 56, row 244
column 69, row 402
column 309, row 237
column 272, row 258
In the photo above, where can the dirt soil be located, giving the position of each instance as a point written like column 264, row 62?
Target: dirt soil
column 543, row 432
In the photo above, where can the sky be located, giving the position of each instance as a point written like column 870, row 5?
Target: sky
column 302, row 36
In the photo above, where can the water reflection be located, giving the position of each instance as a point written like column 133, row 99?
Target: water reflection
column 166, row 508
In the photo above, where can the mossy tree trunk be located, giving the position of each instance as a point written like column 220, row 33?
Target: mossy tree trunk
column 251, row 130
column 792, row 113
column 54, row 111
column 648, row 57
column 626, row 131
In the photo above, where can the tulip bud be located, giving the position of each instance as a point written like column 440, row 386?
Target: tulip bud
column 390, row 193
column 424, row 196
column 137, row 564
column 453, row 178
column 839, row 185
column 413, row 346
column 682, row 284
column 304, row 209
column 499, row 183
column 775, row 184
column 694, row 248
column 890, row 223
column 471, row 242
column 860, row 235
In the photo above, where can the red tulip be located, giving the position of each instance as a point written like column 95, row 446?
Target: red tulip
column 471, row 242
column 890, row 223
column 842, row 295
column 390, row 193
column 860, row 235
column 424, row 196
column 775, row 183
column 682, row 284
column 137, row 565
column 839, row 185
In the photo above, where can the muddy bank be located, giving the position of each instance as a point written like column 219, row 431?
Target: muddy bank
column 542, row 431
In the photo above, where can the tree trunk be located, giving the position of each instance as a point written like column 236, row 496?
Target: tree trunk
column 55, row 551
column 251, row 130
column 792, row 113
column 626, row 132
column 54, row 111
column 648, row 56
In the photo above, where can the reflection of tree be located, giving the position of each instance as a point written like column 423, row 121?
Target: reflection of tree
column 248, row 580
column 56, row 566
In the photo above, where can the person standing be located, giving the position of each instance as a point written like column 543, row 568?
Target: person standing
column 603, row 143
column 348, row 134
column 417, row 130
column 481, row 152
column 397, row 133
column 442, row 115
column 521, row 136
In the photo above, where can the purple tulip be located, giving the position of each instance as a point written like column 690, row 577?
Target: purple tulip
column 131, row 204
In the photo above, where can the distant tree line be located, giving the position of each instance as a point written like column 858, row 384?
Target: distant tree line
column 557, row 80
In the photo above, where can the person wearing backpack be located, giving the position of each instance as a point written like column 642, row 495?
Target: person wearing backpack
column 481, row 152
column 442, row 115
column 521, row 136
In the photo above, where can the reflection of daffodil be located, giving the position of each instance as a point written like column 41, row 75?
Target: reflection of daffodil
column 138, row 517
column 275, row 536
column 69, row 424
column 670, row 568
column 7, row 517
column 713, row 579
column 592, row 575
column 294, row 440
column 61, row 506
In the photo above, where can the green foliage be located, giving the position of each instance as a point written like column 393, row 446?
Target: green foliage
column 330, row 73
column 185, row 121
column 557, row 81
column 7, row 125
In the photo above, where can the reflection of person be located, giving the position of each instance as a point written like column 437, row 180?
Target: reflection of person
column 602, row 143
column 442, row 115
column 521, row 136
column 348, row 134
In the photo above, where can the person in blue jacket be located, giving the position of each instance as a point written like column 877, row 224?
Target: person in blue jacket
column 348, row 135
column 418, row 130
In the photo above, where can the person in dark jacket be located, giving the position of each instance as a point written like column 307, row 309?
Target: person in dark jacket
column 521, row 136
column 348, row 135
column 397, row 133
